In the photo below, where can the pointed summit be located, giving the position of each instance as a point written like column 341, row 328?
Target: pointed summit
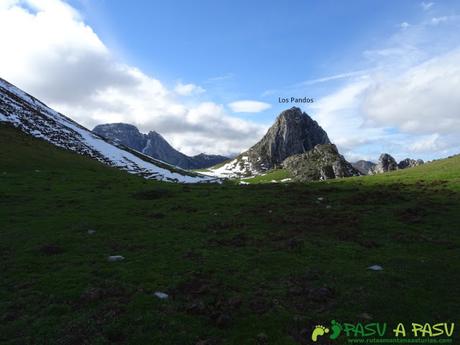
column 294, row 132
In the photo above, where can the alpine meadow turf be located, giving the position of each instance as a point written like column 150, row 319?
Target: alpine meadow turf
column 235, row 260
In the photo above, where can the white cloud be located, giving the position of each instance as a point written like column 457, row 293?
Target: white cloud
column 338, row 114
column 404, row 25
column 408, row 104
column 188, row 89
column 416, row 113
column 51, row 53
column 425, row 99
column 426, row 5
column 333, row 77
column 437, row 20
column 248, row 106
column 233, row 133
column 429, row 142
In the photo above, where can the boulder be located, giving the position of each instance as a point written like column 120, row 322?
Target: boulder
column 386, row 163
column 409, row 163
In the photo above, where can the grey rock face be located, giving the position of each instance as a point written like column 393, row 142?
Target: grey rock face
column 409, row 163
column 322, row 163
column 364, row 167
column 293, row 132
column 154, row 145
column 386, row 163
column 122, row 133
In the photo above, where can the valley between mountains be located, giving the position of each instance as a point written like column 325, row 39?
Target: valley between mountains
column 112, row 236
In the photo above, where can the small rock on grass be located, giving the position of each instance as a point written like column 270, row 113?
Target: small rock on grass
column 375, row 268
column 161, row 295
column 114, row 258
column 91, row 232
column 365, row 316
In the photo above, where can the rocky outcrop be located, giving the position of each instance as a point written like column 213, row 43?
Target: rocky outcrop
column 323, row 162
column 154, row 145
column 386, row 163
column 364, row 167
column 293, row 132
column 409, row 163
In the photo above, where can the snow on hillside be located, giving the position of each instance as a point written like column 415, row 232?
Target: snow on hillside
column 35, row 118
column 236, row 168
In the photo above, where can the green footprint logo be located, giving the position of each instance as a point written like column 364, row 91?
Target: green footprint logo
column 336, row 330
column 319, row 331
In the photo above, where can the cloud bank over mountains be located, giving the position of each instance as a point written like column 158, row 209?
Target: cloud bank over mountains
column 48, row 50
column 407, row 102
column 402, row 98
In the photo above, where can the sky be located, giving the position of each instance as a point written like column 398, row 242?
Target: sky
column 384, row 76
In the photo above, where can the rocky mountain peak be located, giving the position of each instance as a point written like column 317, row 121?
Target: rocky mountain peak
column 386, row 163
column 152, row 144
column 292, row 133
column 363, row 166
column 292, row 114
column 295, row 126
column 123, row 133
column 153, row 134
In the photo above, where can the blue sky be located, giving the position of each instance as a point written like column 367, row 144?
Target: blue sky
column 382, row 73
column 256, row 45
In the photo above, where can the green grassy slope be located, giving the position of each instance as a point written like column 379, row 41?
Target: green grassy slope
column 444, row 169
column 440, row 169
column 236, row 260
column 273, row 175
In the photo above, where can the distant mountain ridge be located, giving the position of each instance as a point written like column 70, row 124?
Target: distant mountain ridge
column 33, row 117
column 364, row 167
column 153, row 144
